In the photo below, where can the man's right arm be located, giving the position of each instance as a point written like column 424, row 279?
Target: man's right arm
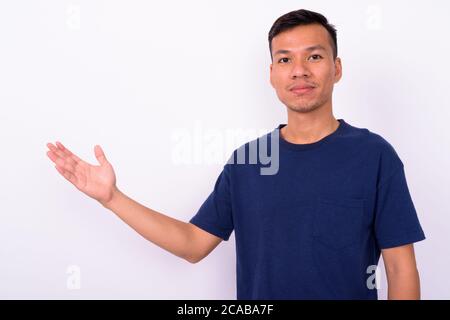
column 182, row 239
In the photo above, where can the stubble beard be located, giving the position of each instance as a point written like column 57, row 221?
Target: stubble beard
column 306, row 106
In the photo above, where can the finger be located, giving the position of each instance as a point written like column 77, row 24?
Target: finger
column 60, row 161
column 66, row 174
column 61, row 155
column 56, row 151
column 67, row 151
column 52, row 156
column 100, row 155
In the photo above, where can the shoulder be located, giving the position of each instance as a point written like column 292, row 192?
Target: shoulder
column 379, row 151
column 372, row 141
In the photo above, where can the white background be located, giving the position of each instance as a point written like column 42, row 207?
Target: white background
column 128, row 74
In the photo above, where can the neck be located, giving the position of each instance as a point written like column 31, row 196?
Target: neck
column 303, row 128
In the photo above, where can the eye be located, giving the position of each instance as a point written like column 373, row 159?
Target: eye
column 282, row 59
column 315, row 57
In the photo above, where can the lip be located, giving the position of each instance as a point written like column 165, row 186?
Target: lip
column 302, row 89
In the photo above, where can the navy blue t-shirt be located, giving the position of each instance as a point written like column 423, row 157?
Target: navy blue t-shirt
column 313, row 229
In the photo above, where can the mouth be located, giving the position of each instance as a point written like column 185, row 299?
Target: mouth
column 302, row 89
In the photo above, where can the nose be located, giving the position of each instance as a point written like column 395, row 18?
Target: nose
column 300, row 70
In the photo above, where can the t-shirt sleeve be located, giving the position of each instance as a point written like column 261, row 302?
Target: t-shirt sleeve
column 396, row 220
column 215, row 214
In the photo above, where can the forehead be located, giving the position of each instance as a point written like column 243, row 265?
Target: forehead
column 302, row 37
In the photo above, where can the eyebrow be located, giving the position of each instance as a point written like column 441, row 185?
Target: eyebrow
column 312, row 48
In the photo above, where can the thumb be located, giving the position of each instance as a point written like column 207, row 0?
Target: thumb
column 100, row 155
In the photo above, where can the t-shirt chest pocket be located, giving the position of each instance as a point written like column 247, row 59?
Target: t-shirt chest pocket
column 338, row 222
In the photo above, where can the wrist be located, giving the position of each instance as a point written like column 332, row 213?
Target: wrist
column 115, row 194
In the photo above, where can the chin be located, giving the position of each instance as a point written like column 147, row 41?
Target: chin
column 303, row 108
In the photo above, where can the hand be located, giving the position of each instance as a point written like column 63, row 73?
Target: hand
column 98, row 182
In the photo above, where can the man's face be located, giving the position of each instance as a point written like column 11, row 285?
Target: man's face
column 303, row 71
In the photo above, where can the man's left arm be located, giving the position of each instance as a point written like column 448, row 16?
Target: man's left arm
column 401, row 271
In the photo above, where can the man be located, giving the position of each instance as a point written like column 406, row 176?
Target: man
column 316, row 227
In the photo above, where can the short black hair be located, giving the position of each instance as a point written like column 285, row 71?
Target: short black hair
column 302, row 17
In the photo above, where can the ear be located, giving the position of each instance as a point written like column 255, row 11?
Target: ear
column 271, row 66
column 337, row 70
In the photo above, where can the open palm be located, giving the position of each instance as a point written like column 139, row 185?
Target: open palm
column 96, row 181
